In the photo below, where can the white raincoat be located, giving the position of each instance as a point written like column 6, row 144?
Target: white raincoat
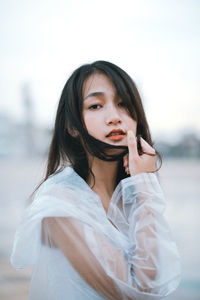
column 80, row 252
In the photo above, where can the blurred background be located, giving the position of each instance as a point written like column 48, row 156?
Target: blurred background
column 158, row 44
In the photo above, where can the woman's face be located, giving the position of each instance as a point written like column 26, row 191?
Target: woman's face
column 104, row 113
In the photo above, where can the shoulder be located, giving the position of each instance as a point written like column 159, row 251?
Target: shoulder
column 59, row 179
column 64, row 194
column 65, row 180
column 64, row 189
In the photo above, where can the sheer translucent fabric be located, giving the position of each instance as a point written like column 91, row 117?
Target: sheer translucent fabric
column 81, row 252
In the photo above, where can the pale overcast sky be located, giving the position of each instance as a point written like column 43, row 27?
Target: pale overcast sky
column 156, row 41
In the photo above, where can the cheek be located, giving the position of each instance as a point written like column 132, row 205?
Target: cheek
column 131, row 125
column 90, row 123
column 86, row 119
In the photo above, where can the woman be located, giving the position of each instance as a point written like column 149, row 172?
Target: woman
column 95, row 229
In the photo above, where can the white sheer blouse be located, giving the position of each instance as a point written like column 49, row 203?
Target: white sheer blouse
column 80, row 252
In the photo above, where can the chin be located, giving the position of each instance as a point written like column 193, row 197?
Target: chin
column 114, row 151
column 117, row 143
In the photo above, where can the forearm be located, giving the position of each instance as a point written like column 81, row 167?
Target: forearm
column 68, row 235
column 152, row 254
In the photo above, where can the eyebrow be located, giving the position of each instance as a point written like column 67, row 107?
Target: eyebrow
column 94, row 94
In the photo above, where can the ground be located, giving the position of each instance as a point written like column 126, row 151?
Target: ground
column 180, row 180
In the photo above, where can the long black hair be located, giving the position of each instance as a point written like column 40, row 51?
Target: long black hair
column 68, row 148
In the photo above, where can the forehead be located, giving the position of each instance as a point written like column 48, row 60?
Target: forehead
column 98, row 82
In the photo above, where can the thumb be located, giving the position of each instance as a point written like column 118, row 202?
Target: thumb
column 146, row 147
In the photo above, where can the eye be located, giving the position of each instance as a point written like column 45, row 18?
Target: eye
column 94, row 106
column 122, row 104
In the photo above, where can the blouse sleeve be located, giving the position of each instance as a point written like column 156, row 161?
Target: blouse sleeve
column 149, row 269
column 136, row 209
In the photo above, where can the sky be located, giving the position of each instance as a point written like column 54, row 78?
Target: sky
column 156, row 41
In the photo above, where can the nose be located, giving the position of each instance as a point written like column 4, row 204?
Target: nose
column 113, row 116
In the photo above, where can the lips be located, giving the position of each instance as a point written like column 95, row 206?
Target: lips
column 116, row 134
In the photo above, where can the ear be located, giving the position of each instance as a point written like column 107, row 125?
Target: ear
column 73, row 132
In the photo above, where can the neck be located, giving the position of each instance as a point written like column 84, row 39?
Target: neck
column 105, row 176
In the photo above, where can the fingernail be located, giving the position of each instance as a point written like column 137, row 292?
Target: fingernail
column 130, row 133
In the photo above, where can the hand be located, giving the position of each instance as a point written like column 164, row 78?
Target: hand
column 135, row 163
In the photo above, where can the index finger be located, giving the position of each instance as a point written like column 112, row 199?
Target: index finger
column 132, row 144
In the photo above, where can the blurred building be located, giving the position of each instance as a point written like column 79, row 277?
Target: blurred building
column 22, row 140
column 187, row 147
